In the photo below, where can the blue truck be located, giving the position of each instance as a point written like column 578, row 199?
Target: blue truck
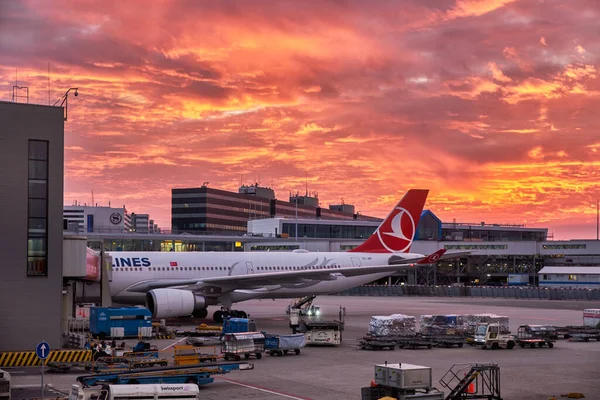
column 131, row 319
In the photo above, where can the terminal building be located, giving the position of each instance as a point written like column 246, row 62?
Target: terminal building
column 31, row 243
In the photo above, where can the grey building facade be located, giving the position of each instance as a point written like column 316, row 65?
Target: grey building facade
column 31, row 208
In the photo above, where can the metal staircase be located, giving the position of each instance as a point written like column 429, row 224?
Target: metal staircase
column 472, row 381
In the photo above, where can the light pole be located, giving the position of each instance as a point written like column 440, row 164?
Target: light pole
column 65, row 100
column 597, row 219
column 296, row 218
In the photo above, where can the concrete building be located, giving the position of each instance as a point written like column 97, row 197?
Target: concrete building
column 140, row 223
column 208, row 210
column 31, row 242
column 97, row 218
column 574, row 277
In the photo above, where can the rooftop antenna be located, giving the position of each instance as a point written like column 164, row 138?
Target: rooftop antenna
column 48, row 83
column 306, row 183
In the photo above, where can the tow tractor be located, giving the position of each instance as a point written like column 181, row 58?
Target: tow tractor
column 491, row 336
column 316, row 330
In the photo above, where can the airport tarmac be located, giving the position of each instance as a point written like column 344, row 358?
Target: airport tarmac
column 340, row 372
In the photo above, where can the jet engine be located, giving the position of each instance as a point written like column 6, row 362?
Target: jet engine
column 168, row 303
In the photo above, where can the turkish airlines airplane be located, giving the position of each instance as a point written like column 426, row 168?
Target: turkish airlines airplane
column 178, row 284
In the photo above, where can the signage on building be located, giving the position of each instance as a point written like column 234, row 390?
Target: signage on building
column 116, row 218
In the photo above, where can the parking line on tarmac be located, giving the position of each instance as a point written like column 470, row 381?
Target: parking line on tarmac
column 289, row 396
column 173, row 344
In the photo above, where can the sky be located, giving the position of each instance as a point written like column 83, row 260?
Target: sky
column 491, row 105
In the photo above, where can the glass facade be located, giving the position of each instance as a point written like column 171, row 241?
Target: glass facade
column 37, row 209
column 327, row 231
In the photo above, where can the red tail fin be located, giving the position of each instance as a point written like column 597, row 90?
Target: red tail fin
column 396, row 232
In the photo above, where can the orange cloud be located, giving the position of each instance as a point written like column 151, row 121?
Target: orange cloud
column 369, row 98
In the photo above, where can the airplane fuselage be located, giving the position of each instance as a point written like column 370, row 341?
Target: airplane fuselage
column 131, row 268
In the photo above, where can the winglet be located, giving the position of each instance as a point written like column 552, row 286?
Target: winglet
column 432, row 258
column 396, row 233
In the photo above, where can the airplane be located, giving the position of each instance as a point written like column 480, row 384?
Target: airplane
column 183, row 284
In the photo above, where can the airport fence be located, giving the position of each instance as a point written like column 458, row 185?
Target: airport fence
column 520, row 292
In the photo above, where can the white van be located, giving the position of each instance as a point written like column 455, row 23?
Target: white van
column 182, row 391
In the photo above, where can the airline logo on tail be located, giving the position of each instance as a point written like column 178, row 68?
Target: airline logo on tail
column 396, row 232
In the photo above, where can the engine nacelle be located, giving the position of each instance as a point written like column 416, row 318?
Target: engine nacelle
column 168, row 303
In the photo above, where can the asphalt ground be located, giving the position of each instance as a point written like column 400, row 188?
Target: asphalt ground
column 340, row 372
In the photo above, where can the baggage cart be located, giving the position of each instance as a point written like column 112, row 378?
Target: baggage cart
column 282, row 344
column 236, row 345
column 372, row 343
column 534, row 335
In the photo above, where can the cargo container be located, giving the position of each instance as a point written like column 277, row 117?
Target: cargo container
column 591, row 317
column 119, row 322
column 518, row 279
column 238, row 325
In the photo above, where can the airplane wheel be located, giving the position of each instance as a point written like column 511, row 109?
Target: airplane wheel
column 218, row 317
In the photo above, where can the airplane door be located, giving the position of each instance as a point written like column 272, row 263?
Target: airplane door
column 249, row 267
column 355, row 261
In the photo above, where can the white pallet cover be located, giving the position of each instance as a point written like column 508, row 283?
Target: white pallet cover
column 459, row 324
column 290, row 342
column 392, row 325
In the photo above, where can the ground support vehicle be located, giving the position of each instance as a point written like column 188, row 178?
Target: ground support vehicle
column 282, row 344
column 578, row 333
column 133, row 392
column 533, row 335
column 375, row 343
column 236, row 345
column 129, row 361
column 448, row 341
column 200, row 375
column 189, row 355
column 490, row 336
column 322, row 332
column 472, row 381
column 414, row 342
column 65, row 367
column 402, row 382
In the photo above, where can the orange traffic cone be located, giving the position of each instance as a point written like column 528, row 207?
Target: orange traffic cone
column 471, row 387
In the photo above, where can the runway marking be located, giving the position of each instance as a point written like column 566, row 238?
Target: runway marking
column 289, row 396
column 173, row 344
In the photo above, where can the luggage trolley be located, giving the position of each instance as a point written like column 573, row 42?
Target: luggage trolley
column 244, row 343
column 282, row 344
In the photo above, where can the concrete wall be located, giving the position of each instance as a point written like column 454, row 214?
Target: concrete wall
column 30, row 307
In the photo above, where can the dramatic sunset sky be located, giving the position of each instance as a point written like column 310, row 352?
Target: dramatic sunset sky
column 492, row 105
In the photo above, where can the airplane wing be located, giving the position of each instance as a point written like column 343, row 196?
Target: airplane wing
column 279, row 278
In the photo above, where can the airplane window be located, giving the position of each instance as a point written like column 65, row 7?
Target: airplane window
column 163, row 268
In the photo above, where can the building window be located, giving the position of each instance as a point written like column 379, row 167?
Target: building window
column 37, row 209
column 545, row 277
column 572, row 277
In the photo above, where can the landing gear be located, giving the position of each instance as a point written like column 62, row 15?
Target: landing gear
column 220, row 315
column 202, row 313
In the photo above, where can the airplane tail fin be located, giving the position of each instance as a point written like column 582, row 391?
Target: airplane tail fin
column 397, row 231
